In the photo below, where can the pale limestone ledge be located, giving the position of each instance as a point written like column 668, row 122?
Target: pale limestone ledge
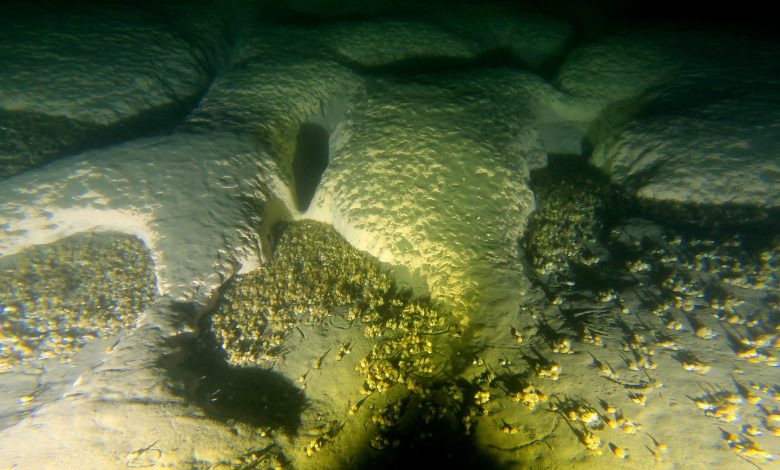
column 190, row 198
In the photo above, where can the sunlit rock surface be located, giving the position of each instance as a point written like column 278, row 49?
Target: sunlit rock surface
column 196, row 201
column 124, row 413
column 73, row 78
column 273, row 87
column 415, row 183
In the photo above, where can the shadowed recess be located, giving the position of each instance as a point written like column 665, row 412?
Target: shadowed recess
column 418, row 444
column 310, row 160
column 254, row 396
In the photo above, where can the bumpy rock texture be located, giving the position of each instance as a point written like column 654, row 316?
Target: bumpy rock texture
column 415, row 183
column 172, row 192
column 434, row 122
column 695, row 124
column 275, row 83
column 76, row 78
column 723, row 151
column 313, row 272
column 315, row 278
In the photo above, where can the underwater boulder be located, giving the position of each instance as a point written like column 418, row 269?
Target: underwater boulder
column 273, row 89
column 622, row 67
column 414, row 182
column 722, row 151
column 79, row 78
column 684, row 117
column 458, row 38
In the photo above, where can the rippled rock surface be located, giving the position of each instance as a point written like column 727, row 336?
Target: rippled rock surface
column 688, row 125
column 321, row 234
column 77, row 78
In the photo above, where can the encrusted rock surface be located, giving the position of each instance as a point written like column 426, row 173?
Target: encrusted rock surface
column 434, row 122
column 54, row 298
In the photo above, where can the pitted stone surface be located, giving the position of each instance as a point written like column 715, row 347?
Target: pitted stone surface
column 270, row 90
column 415, row 183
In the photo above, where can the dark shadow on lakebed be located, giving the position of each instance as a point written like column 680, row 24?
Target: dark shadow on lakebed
column 417, row 442
column 253, row 396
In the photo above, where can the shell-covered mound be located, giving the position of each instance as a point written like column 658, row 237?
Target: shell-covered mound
column 54, row 298
column 397, row 355
column 575, row 203
column 313, row 271
column 314, row 276
column 660, row 321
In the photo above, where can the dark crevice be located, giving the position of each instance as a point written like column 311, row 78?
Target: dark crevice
column 32, row 139
column 421, row 65
column 448, row 447
column 312, row 153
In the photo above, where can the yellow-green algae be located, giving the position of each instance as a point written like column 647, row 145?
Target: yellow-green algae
column 422, row 386
column 425, row 395
column 56, row 297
